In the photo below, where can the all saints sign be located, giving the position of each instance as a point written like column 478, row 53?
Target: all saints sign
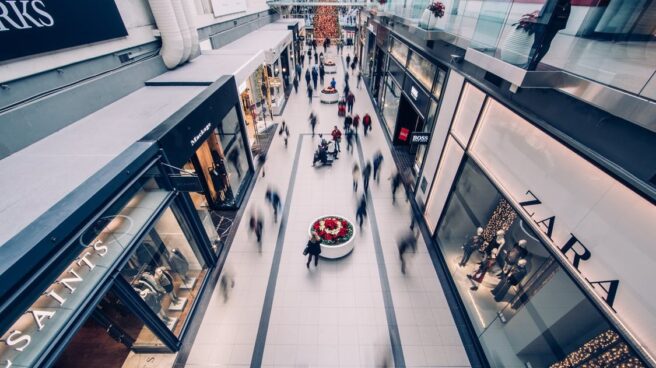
column 29, row 27
column 33, row 331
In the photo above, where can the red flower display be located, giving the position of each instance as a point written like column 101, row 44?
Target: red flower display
column 333, row 230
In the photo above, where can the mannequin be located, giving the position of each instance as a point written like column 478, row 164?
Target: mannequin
column 472, row 244
column 152, row 282
column 179, row 263
column 512, row 278
column 485, row 264
column 512, row 256
column 497, row 243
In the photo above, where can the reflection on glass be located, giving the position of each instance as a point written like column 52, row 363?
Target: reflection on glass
column 439, row 83
column 166, row 271
column 391, row 101
column 399, row 51
column 113, row 336
column 428, row 127
column 422, row 69
column 524, row 306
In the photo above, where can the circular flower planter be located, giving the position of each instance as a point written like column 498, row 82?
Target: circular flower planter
column 329, row 95
column 330, row 67
column 336, row 233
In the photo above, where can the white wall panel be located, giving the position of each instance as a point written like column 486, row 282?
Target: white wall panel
column 471, row 103
column 442, row 126
column 446, row 173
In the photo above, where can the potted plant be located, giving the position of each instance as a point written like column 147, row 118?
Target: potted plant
column 516, row 46
column 431, row 15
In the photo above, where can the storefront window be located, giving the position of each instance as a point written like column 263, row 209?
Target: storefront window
column 399, row 51
column 428, row 128
column 439, row 83
column 166, row 271
column 102, row 243
column 112, row 337
column 422, row 69
column 391, row 101
column 526, row 309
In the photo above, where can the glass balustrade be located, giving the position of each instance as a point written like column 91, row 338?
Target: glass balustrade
column 612, row 42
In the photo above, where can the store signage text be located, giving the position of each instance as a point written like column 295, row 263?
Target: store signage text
column 419, row 137
column 29, row 27
column 200, row 134
column 414, row 93
column 24, row 14
column 575, row 251
column 19, row 340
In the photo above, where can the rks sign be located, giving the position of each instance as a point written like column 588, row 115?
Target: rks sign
column 30, row 27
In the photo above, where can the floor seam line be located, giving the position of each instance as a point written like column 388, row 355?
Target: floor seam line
column 262, row 330
column 390, row 312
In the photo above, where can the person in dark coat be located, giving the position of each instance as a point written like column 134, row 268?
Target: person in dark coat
column 552, row 18
column 366, row 174
column 273, row 198
column 316, row 57
column 348, row 121
column 361, row 212
column 359, row 80
column 295, row 85
column 310, row 93
column 407, row 244
column 397, row 181
column 315, row 77
column 307, row 77
column 356, row 123
column 378, row 161
column 322, row 73
column 350, row 100
column 348, row 60
column 313, row 249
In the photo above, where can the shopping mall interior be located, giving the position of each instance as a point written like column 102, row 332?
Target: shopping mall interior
column 313, row 183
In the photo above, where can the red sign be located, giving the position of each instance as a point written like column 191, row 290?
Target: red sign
column 403, row 134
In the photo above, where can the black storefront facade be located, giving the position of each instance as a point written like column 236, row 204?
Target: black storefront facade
column 407, row 89
column 115, row 270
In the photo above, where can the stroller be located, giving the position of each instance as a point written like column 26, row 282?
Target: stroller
column 341, row 108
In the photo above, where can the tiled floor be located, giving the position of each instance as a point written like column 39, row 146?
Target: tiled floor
column 335, row 315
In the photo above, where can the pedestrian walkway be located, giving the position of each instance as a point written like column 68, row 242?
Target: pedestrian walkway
column 359, row 311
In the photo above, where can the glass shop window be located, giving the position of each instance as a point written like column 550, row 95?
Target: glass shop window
column 422, row 69
column 399, row 51
column 113, row 336
column 166, row 270
column 525, row 308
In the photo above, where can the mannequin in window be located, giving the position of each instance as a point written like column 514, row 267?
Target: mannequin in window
column 512, row 278
column 472, row 244
column 485, row 264
column 512, row 256
column 165, row 280
column 497, row 242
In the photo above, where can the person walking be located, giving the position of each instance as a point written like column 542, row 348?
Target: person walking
column 256, row 225
column 310, row 93
column 273, row 198
column 346, row 77
column 261, row 160
column 366, row 174
column 322, row 73
column 307, row 76
column 356, row 177
column 316, row 56
column 406, row 244
column 285, row 135
column 356, row 123
column 397, row 180
column 295, row 82
column 348, row 61
column 337, row 137
column 333, row 83
column 353, row 66
column 313, row 121
column 299, row 69
column 348, row 121
column 359, row 79
column 349, row 141
column 361, row 212
column 313, row 249
column 315, row 77
column 350, row 100
column 378, row 161
column 366, row 123
column 227, row 282
column 302, row 59
column 347, row 89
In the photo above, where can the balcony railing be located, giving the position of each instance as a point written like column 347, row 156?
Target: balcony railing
column 610, row 42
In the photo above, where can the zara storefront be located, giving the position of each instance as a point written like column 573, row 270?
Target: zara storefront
column 551, row 255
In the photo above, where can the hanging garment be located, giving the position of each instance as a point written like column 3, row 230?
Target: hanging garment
column 165, row 280
column 150, row 280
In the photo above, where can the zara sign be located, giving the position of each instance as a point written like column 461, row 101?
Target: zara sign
column 29, row 27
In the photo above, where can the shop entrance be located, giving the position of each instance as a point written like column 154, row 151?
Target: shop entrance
column 408, row 120
column 377, row 69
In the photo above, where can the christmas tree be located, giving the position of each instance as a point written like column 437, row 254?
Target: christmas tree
column 326, row 23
